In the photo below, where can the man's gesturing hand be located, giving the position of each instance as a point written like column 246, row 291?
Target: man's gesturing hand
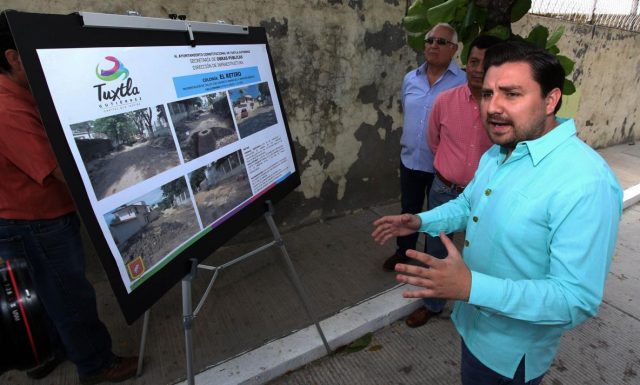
column 395, row 226
column 448, row 278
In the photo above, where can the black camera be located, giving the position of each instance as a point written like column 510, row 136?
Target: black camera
column 24, row 341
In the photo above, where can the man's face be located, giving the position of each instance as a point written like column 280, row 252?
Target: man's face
column 440, row 55
column 512, row 106
column 475, row 70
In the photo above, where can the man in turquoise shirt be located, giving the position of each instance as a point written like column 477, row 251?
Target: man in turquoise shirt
column 541, row 219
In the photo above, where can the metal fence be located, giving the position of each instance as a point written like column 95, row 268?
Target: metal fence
column 621, row 14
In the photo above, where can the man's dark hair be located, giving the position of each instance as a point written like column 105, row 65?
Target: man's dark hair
column 484, row 42
column 545, row 67
column 6, row 42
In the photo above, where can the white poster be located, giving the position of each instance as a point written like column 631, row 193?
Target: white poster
column 169, row 141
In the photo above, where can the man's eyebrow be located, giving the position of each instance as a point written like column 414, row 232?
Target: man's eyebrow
column 509, row 88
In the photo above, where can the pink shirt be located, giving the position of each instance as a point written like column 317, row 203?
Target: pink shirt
column 456, row 135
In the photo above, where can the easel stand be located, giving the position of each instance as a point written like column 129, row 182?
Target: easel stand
column 189, row 315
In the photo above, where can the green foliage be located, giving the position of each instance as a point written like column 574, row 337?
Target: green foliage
column 196, row 177
column 118, row 128
column 360, row 343
column 171, row 190
column 470, row 20
column 520, row 8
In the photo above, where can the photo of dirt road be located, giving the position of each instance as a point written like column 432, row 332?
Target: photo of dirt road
column 122, row 150
column 253, row 108
column 153, row 225
column 203, row 124
column 220, row 186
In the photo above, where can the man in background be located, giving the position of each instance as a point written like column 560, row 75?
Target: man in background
column 457, row 139
column 541, row 217
column 38, row 223
column 419, row 90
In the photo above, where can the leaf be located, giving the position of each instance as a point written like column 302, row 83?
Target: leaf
column 554, row 49
column 472, row 15
column 519, row 9
column 360, row 343
column 416, row 24
column 499, row 31
column 464, row 55
column 445, row 12
column 555, row 37
column 567, row 64
column 460, row 14
column 469, row 33
column 416, row 42
column 538, row 36
column 568, row 88
column 420, row 7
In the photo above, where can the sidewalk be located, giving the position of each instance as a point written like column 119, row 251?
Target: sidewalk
column 603, row 350
column 253, row 309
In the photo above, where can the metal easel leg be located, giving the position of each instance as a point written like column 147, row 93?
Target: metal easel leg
column 293, row 275
column 187, row 319
column 143, row 341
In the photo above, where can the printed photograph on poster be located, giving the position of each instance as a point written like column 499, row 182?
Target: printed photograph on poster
column 203, row 124
column 220, row 186
column 253, row 108
column 149, row 227
column 121, row 150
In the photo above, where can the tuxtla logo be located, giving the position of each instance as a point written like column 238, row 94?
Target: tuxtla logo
column 122, row 94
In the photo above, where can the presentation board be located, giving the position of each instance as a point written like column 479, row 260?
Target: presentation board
column 171, row 141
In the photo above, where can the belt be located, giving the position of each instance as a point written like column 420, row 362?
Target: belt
column 451, row 185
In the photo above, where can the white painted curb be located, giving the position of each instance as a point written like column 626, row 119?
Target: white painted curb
column 293, row 351
column 631, row 196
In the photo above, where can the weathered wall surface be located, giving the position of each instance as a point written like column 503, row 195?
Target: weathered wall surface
column 607, row 74
column 340, row 65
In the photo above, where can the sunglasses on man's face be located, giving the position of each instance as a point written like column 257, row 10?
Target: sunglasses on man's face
column 437, row 40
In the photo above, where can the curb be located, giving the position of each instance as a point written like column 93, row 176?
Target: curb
column 278, row 357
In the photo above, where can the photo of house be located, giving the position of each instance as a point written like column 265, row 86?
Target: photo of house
column 151, row 226
column 220, row 186
column 253, row 108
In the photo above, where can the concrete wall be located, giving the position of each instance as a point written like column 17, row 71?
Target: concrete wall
column 607, row 76
column 340, row 65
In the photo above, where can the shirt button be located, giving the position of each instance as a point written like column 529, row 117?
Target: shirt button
column 487, row 192
column 466, row 243
column 475, row 219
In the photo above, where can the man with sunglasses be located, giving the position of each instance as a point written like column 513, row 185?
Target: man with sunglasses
column 419, row 90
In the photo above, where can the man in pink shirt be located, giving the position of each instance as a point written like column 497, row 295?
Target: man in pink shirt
column 457, row 139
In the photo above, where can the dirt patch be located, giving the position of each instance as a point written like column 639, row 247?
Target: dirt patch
column 132, row 165
column 162, row 235
column 226, row 195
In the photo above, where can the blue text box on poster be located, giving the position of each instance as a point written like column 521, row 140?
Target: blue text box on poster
column 212, row 81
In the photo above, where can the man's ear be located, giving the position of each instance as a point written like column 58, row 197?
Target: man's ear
column 13, row 58
column 552, row 99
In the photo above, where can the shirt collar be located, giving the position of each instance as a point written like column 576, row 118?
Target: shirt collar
column 539, row 148
column 453, row 68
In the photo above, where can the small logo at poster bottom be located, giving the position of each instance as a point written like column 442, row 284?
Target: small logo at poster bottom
column 135, row 267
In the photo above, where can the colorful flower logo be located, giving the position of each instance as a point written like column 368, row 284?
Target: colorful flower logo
column 113, row 73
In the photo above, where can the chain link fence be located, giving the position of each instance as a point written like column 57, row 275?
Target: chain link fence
column 621, row 14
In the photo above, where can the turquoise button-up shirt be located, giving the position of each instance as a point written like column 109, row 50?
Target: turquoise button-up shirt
column 540, row 229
